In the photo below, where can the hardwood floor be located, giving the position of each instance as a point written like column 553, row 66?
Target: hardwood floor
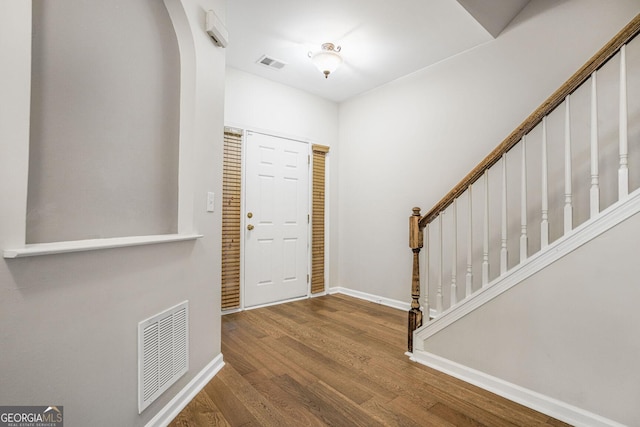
column 338, row 361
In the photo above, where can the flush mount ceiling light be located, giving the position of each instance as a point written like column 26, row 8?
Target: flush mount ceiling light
column 328, row 59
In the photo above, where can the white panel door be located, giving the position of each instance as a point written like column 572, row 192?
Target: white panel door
column 276, row 209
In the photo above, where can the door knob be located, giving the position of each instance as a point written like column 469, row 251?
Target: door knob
column 250, row 227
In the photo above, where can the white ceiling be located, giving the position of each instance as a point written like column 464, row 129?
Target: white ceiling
column 381, row 40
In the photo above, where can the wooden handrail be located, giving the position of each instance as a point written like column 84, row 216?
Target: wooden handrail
column 597, row 61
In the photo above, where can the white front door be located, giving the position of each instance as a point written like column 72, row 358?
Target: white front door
column 276, row 218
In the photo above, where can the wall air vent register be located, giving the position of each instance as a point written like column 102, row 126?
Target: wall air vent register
column 163, row 352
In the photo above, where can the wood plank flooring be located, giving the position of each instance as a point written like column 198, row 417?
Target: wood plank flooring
column 337, row 361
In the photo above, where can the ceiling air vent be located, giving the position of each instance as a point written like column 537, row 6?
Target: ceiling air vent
column 270, row 62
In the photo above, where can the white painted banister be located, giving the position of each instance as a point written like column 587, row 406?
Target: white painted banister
column 544, row 223
column 503, row 238
column 439, row 304
column 469, row 276
column 555, row 196
column 594, row 192
column 454, row 254
column 623, row 171
column 485, row 232
column 568, row 206
column 427, row 270
column 523, row 202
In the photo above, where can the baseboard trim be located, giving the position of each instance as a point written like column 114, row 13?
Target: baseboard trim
column 186, row 395
column 400, row 305
column 534, row 400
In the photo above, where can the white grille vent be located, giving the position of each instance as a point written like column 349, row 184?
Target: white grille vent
column 270, row 62
column 163, row 352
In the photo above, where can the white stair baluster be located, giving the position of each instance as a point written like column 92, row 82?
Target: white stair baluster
column 568, row 207
column 523, row 203
column 485, row 235
column 594, row 194
column 426, row 308
column 469, row 277
column 439, row 295
column 454, row 254
column 623, row 172
column 544, row 223
column 503, row 240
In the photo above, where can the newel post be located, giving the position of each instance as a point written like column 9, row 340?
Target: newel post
column 415, row 243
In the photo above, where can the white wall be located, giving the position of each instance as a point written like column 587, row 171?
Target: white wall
column 252, row 102
column 547, row 334
column 409, row 142
column 68, row 323
column 78, row 66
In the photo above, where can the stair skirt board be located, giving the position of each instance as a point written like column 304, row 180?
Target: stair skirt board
column 587, row 231
column 539, row 402
column 187, row 394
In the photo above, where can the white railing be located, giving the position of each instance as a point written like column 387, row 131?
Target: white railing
column 500, row 222
column 568, row 161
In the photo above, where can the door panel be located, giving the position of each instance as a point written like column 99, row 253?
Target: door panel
column 276, row 196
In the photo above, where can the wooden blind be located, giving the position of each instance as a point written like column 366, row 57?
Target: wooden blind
column 232, row 181
column 317, row 219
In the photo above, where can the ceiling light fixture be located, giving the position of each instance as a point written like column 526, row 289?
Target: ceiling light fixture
column 328, row 59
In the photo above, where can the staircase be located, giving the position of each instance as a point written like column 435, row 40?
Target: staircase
column 530, row 262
